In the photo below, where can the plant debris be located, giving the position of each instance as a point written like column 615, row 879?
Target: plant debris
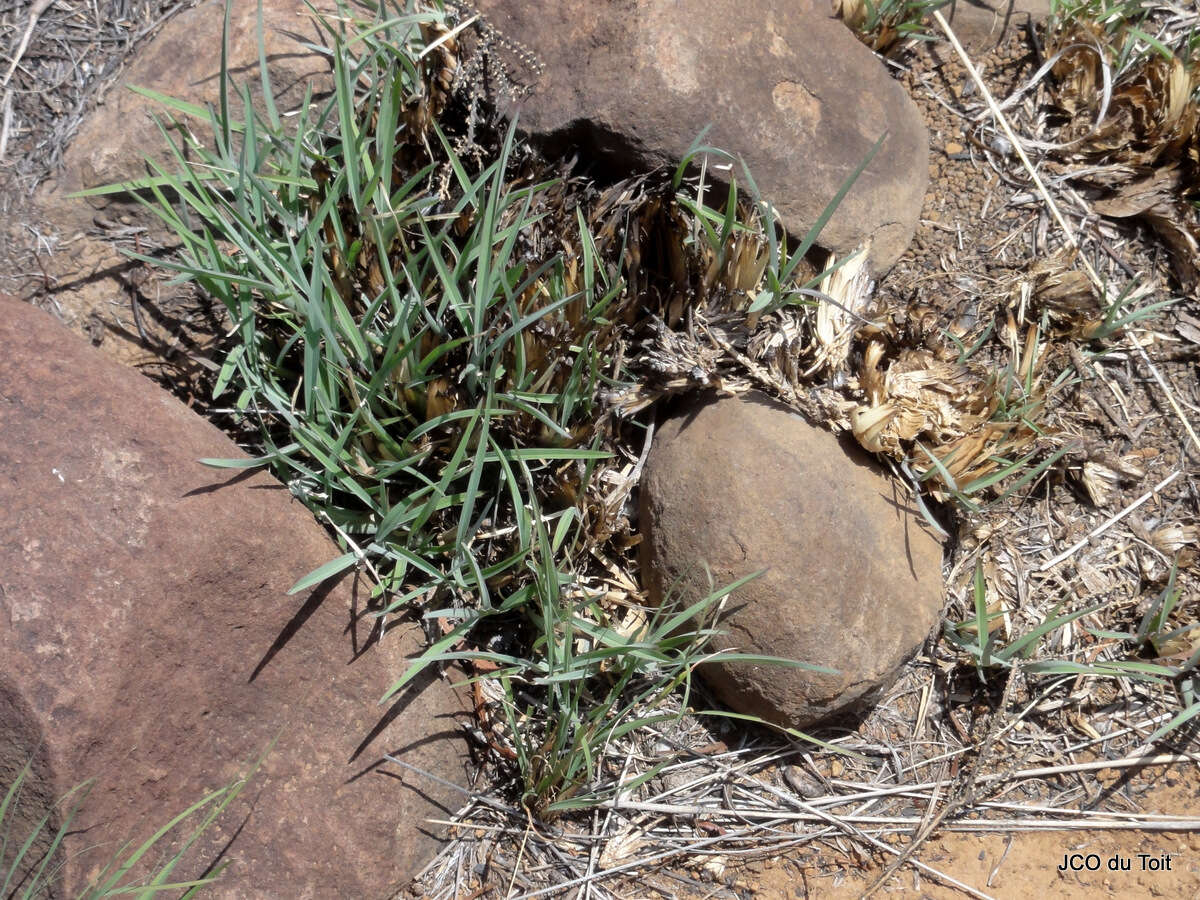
column 1137, row 132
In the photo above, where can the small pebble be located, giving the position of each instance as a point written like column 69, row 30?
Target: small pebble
column 954, row 148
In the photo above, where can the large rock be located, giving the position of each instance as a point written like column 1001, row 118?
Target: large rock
column 853, row 580
column 148, row 642
column 790, row 90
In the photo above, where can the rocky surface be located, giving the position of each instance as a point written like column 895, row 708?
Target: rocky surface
column 853, row 580
column 793, row 92
column 183, row 61
column 148, row 641
column 982, row 25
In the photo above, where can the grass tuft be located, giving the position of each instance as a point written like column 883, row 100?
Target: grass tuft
column 448, row 345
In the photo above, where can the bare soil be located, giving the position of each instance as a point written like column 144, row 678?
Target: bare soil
column 1007, row 866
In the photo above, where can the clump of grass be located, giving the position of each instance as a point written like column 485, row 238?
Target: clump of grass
column 1127, row 29
column 1125, row 92
column 1159, row 652
column 417, row 364
column 881, row 24
column 964, row 429
column 977, row 635
column 444, row 341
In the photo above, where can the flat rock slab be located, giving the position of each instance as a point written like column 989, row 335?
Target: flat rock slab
column 790, row 90
column 853, row 581
column 148, row 641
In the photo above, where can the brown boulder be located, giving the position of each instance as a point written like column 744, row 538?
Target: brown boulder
column 793, row 92
column 148, row 642
column 853, row 580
